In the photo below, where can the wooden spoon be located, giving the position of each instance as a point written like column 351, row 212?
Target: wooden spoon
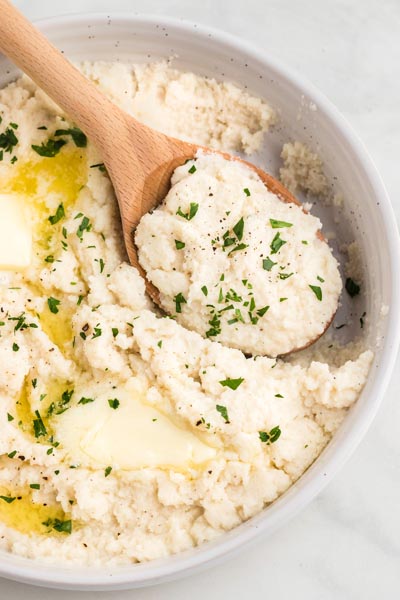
column 139, row 160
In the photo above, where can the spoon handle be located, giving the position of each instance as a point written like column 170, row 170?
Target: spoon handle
column 45, row 64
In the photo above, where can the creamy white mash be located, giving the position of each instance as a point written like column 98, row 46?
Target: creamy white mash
column 123, row 435
column 237, row 264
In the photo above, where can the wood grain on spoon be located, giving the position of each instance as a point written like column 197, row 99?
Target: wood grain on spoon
column 140, row 161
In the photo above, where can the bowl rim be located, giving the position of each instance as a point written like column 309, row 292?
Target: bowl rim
column 180, row 565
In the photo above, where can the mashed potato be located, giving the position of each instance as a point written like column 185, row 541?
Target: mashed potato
column 88, row 365
column 237, row 264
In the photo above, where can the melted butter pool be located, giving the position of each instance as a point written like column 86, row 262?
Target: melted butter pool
column 63, row 175
column 58, row 327
column 27, row 516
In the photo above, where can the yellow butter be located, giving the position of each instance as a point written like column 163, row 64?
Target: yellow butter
column 15, row 233
column 132, row 436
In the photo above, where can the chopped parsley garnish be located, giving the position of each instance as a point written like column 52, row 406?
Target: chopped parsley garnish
column 247, row 191
column 179, row 300
column 12, row 454
column 279, row 224
column 53, row 305
column 159, row 343
column 85, row 225
column 192, row 169
column 79, row 301
column 193, row 208
column 352, row 288
column 35, row 486
column 114, row 331
column 21, row 322
column 238, row 247
column 114, row 403
column 59, row 407
column 49, row 259
column 15, row 347
column 233, row 384
column 8, row 499
column 179, row 245
column 84, row 400
column 204, row 290
column 79, row 138
column 285, row 275
column 317, row 291
column 229, row 240
column 8, row 140
column 39, row 428
column 271, row 436
column 50, row 148
column 277, row 243
column 261, row 312
column 59, row 214
column 107, row 471
column 267, row 264
column 223, row 411
column 320, row 279
column 10, row 417
column 58, row 525
column 96, row 332
column 215, row 326
column 238, row 229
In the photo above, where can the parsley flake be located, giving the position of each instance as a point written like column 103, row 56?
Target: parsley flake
column 50, row 148
column 277, row 243
column 352, row 288
column 238, row 229
column 179, row 300
column 114, row 403
column 8, row 140
column 53, row 305
column 279, row 224
column 271, row 436
column 223, row 411
column 8, row 499
column 84, row 400
column 59, row 214
column 79, row 138
column 317, row 291
column 267, row 264
column 193, row 208
column 39, row 427
column 233, row 384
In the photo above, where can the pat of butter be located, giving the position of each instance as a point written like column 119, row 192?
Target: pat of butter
column 132, row 436
column 15, row 233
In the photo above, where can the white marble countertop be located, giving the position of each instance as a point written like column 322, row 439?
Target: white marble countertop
column 346, row 544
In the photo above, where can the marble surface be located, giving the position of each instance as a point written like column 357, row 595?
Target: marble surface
column 346, row 544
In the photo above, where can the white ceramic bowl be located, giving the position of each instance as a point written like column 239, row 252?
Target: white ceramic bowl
column 367, row 216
